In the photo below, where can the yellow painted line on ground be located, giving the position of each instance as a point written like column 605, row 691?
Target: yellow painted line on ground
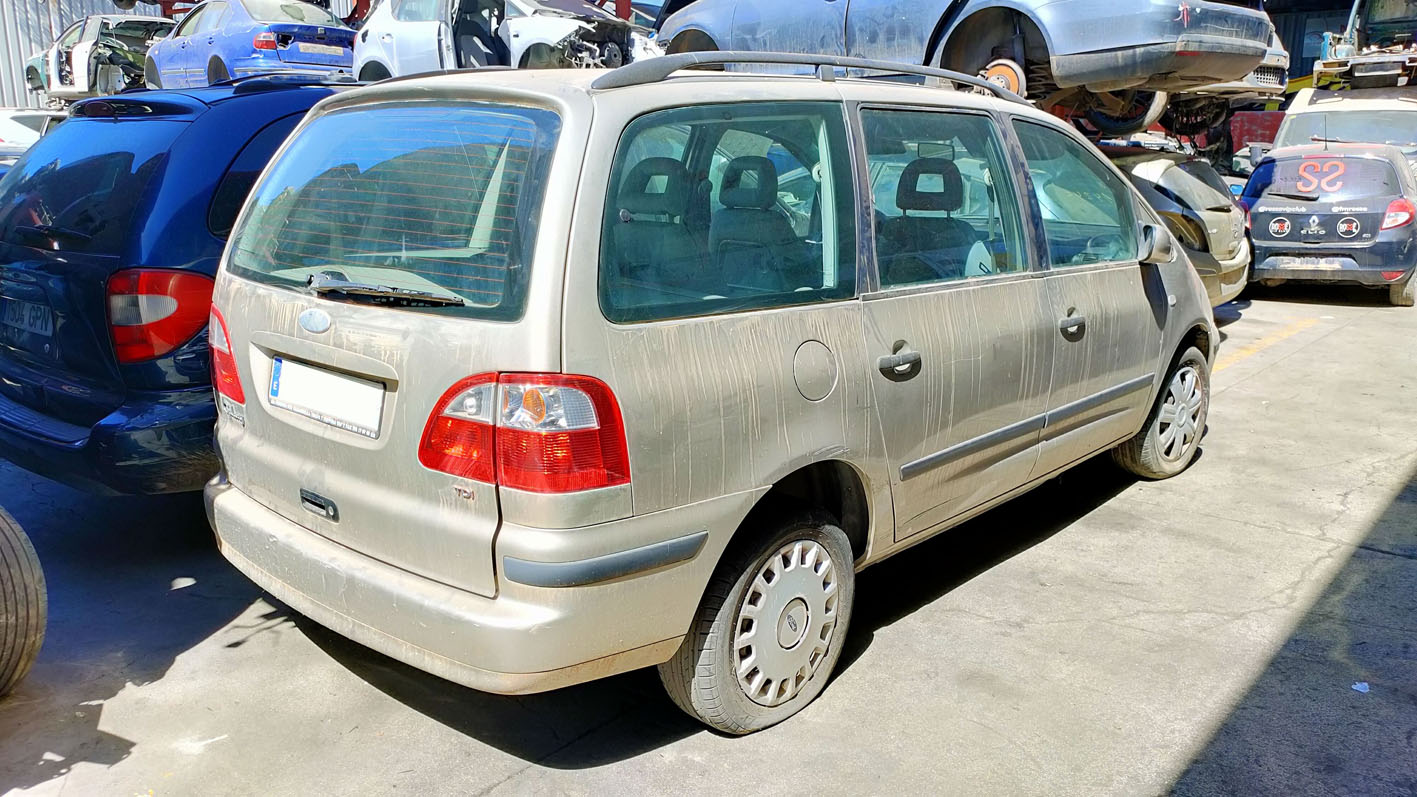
column 1244, row 352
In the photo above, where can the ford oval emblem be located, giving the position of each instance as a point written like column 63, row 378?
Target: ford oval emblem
column 315, row 320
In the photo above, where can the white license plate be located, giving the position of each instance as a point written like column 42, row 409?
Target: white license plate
column 30, row 317
column 319, row 49
column 345, row 402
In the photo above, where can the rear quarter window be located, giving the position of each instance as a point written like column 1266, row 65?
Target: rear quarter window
column 241, row 175
column 442, row 199
column 80, row 187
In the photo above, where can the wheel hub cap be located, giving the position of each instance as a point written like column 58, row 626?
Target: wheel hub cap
column 786, row 622
column 1179, row 425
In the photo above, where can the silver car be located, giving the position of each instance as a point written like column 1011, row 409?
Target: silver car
column 1113, row 62
column 529, row 378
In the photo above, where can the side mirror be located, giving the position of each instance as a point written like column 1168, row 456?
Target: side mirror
column 1257, row 153
column 1157, row 245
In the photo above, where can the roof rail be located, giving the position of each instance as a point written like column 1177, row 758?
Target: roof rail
column 653, row 70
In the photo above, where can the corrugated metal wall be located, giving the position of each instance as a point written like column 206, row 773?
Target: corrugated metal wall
column 28, row 26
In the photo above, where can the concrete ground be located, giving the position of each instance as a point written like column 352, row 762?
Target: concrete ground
column 1202, row 635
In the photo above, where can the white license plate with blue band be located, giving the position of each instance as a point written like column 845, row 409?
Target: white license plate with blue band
column 28, row 316
column 345, row 402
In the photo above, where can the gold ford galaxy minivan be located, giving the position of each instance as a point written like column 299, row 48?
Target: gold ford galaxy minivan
column 528, row 378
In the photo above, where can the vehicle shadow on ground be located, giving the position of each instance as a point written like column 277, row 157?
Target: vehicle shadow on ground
column 625, row 716
column 1313, row 293
column 132, row 583
column 1306, row 725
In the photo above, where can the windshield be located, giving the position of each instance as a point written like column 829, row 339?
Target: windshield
column 434, row 199
column 1369, row 127
column 1386, row 11
column 1322, row 178
column 77, row 188
column 290, row 11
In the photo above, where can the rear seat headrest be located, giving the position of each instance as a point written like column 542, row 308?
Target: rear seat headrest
column 759, row 191
column 656, row 185
column 949, row 197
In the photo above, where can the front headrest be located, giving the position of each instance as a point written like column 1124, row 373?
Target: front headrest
column 656, row 185
column 749, row 181
column 948, row 196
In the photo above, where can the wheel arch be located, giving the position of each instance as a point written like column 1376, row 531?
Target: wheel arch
column 692, row 40
column 372, row 66
column 834, row 486
column 1199, row 336
column 981, row 28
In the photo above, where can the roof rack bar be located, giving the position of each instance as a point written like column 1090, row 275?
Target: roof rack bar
column 653, row 70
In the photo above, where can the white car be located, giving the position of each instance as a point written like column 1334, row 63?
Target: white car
column 405, row 37
column 20, row 128
column 98, row 55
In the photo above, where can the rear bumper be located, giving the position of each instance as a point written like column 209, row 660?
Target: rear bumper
column 154, row 443
column 1223, row 279
column 553, row 623
column 1186, row 62
column 1349, row 271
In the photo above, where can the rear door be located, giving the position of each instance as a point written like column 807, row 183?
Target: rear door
column 958, row 340
column 68, row 213
column 1107, row 309
column 338, row 390
column 203, row 42
column 413, row 38
column 174, row 68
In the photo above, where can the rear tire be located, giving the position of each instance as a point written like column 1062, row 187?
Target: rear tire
column 1403, row 294
column 23, row 604
column 793, row 579
column 1145, row 109
column 217, row 72
column 1168, row 442
column 373, row 72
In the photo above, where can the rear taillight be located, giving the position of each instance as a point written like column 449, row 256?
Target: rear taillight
column 264, row 41
column 224, row 377
column 1399, row 213
column 151, row 313
column 543, row 433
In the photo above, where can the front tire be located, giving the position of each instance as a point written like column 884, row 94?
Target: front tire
column 1403, row 294
column 23, row 604
column 1168, row 442
column 770, row 628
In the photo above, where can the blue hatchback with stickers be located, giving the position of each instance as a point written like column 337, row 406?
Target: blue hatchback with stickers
column 1335, row 213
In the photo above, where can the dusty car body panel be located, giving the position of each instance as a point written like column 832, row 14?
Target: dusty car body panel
column 1214, row 234
column 96, row 56
column 433, row 570
column 1105, row 46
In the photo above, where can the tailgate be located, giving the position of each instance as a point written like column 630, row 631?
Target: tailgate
column 338, row 388
column 313, row 44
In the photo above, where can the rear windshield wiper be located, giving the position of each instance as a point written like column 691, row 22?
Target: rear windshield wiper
column 50, row 231
column 380, row 294
column 1304, row 197
column 1327, row 140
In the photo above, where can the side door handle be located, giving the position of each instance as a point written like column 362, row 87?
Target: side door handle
column 903, row 364
column 1073, row 327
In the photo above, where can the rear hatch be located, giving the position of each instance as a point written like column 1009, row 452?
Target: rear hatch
column 1196, row 185
column 68, row 212
column 1320, row 202
column 338, row 386
column 305, row 34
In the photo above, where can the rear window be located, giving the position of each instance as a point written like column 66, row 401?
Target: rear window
column 442, row 199
column 1198, row 186
column 290, row 11
column 77, row 189
column 1325, row 178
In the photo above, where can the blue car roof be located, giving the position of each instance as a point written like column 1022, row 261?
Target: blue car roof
column 193, row 102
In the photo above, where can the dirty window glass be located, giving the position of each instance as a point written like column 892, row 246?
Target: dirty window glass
column 190, row 22
column 212, row 19
column 290, row 11
column 438, row 199
column 716, row 209
column 78, row 187
column 1327, row 179
column 418, row 10
column 70, row 36
column 1087, row 209
column 242, row 174
column 943, row 202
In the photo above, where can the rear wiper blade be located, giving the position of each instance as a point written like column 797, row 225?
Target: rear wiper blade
column 1327, row 140
column 1305, row 197
column 380, row 294
column 50, row 231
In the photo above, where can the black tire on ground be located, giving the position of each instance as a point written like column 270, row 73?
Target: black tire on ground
column 1148, row 454
column 151, row 77
column 217, row 72
column 23, row 604
column 1148, row 107
column 701, row 678
column 1404, row 293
